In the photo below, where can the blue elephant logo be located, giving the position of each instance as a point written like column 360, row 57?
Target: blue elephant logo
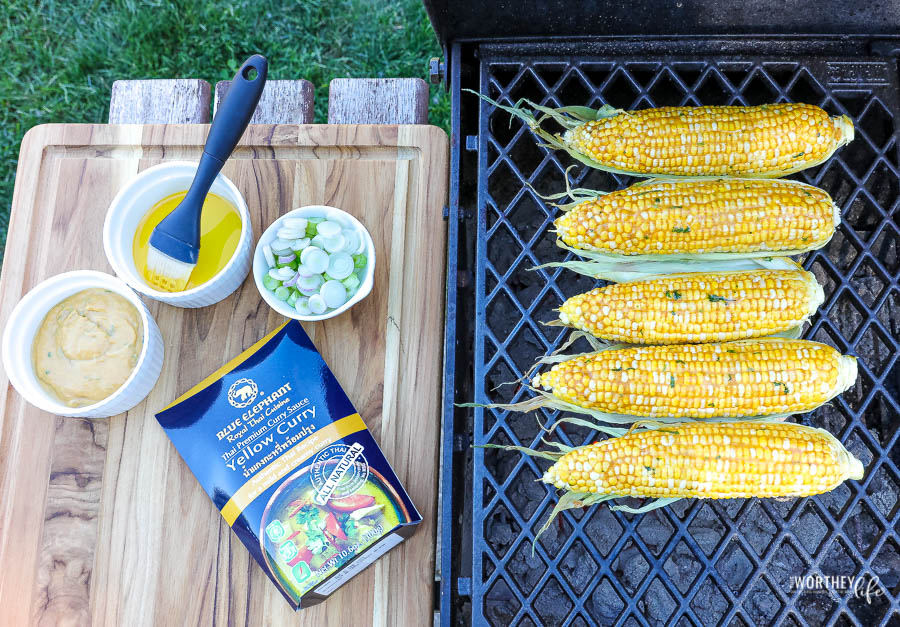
column 242, row 392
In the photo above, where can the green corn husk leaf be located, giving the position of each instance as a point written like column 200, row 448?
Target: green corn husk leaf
column 547, row 400
column 567, row 117
column 527, row 451
column 582, row 422
column 688, row 258
column 661, row 502
column 555, row 357
column 666, row 178
column 794, row 333
column 577, row 194
column 624, row 269
column 759, row 263
column 559, row 446
column 598, row 344
column 569, row 500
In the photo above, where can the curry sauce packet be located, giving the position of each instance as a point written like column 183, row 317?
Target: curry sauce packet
column 285, row 457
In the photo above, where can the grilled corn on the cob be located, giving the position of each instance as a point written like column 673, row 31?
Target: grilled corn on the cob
column 709, row 460
column 767, row 140
column 760, row 377
column 696, row 307
column 740, row 217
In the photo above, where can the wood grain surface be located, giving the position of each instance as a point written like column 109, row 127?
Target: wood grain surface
column 160, row 101
column 281, row 102
column 378, row 101
column 101, row 522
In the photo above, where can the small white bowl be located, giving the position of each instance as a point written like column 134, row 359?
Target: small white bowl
column 260, row 267
column 27, row 316
column 134, row 201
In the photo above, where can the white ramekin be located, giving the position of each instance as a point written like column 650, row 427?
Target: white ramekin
column 26, row 317
column 134, row 201
column 260, row 267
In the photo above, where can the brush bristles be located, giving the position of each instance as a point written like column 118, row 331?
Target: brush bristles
column 165, row 273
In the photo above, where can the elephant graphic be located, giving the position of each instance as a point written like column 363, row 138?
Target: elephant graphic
column 242, row 392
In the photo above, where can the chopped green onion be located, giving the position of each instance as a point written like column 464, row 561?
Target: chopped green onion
column 270, row 283
column 340, row 266
column 302, row 306
column 351, row 282
column 359, row 261
column 282, row 292
column 269, row 255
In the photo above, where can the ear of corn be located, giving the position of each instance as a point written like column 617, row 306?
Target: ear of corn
column 760, row 377
column 696, row 307
column 715, row 218
column 767, row 140
column 708, row 460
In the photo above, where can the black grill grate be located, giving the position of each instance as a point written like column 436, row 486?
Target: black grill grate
column 696, row 562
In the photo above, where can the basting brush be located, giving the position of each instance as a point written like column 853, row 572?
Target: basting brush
column 175, row 242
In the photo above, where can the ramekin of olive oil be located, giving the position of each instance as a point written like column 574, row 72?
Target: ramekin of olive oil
column 220, row 232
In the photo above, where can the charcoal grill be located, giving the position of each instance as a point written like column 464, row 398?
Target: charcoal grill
column 696, row 562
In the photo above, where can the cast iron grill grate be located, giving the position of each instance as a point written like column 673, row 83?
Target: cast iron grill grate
column 696, row 562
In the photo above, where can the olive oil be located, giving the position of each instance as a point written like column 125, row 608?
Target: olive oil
column 220, row 230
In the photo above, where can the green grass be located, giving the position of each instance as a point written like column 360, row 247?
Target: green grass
column 59, row 58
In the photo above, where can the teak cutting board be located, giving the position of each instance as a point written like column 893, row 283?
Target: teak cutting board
column 101, row 522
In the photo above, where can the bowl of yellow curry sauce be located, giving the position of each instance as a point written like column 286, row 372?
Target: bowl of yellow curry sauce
column 82, row 344
column 226, row 233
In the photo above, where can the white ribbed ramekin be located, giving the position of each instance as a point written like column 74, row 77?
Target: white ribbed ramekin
column 134, row 201
column 22, row 326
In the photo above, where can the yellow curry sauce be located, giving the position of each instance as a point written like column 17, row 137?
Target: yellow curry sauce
column 87, row 346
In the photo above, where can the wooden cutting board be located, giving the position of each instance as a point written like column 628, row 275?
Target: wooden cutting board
column 101, row 522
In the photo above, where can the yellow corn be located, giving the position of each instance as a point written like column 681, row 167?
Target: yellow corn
column 711, row 216
column 766, row 140
column 709, row 460
column 696, row 307
column 731, row 379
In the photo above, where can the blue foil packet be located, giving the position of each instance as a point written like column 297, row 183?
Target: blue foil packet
column 281, row 451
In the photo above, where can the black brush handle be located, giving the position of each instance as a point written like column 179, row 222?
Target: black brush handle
column 226, row 130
